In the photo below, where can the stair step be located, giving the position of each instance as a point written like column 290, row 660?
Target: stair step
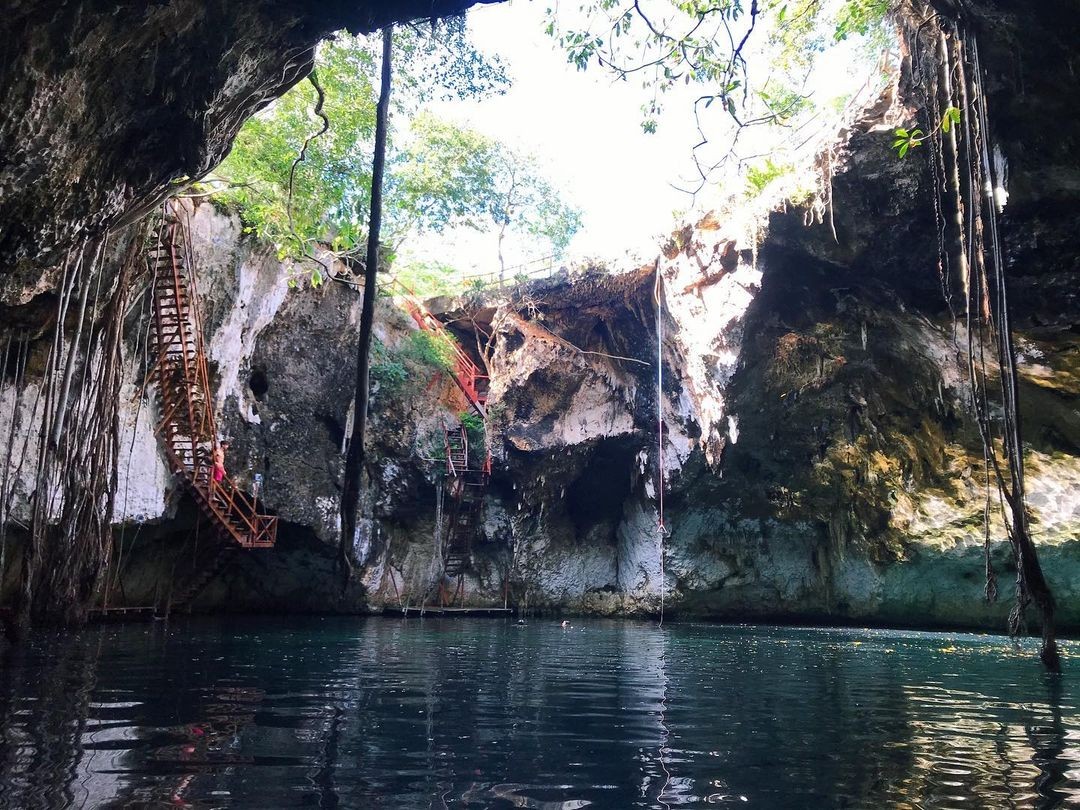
column 180, row 376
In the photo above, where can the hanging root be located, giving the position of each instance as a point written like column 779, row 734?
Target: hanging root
column 78, row 441
column 967, row 219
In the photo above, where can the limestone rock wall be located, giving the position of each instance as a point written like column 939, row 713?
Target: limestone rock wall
column 106, row 105
column 818, row 458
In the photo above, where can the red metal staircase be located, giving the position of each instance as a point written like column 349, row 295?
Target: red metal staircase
column 466, row 485
column 472, row 381
column 187, row 414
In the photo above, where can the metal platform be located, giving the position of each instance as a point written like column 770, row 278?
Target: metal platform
column 448, row 611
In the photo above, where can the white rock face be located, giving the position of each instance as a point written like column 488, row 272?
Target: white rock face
column 707, row 289
column 258, row 284
column 143, row 479
column 20, row 418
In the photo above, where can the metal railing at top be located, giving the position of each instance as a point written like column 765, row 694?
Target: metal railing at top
column 544, row 267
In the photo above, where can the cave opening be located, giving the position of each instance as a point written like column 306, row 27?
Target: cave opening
column 597, row 496
column 258, row 383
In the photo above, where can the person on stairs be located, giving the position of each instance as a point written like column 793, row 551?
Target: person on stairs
column 218, row 474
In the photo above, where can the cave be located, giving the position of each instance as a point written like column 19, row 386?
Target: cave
column 842, row 390
column 258, row 383
column 598, row 494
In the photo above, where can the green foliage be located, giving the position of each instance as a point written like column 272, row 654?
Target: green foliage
column 907, row 139
column 859, row 17
column 455, row 176
column 475, row 431
column 433, row 349
column 951, row 117
column 797, row 38
column 397, row 371
column 445, row 176
column 386, row 370
column 427, row 278
column 472, row 422
column 331, row 187
column 759, row 176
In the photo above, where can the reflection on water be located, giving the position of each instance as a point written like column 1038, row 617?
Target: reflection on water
column 489, row 714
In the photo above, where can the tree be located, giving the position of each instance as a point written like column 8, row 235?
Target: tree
column 324, row 199
column 455, row 176
column 354, row 461
column 666, row 44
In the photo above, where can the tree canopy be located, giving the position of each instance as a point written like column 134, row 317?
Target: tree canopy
column 453, row 175
column 752, row 61
column 300, row 171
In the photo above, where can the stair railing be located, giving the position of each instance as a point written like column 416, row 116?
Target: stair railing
column 467, row 374
column 225, row 501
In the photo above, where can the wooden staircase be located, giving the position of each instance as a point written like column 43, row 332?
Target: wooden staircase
column 187, row 414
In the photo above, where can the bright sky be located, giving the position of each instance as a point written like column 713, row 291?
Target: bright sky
column 585, row 129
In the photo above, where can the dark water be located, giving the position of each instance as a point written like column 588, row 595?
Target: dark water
column 481, row 713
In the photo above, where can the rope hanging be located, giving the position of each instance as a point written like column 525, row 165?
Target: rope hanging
column 658, row 292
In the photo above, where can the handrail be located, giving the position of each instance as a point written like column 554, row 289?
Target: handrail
column 183, row 374
column 451, row 468
column 547, row 267
column 231, row 495
column 466, row 372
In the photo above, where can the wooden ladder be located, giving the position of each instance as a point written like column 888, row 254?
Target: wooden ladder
column 186, row 422
column 466, row 489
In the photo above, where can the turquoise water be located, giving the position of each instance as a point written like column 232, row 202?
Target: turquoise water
column 486, row 714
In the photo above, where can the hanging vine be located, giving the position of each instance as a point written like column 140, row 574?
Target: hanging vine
column 946, row 70
column 76, row 411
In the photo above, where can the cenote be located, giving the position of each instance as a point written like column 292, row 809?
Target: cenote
column 396, row 713
column 491, row 404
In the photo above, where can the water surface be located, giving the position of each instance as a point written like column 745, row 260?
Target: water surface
column 343, row 712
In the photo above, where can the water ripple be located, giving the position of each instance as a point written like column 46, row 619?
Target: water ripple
column 485, row 714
